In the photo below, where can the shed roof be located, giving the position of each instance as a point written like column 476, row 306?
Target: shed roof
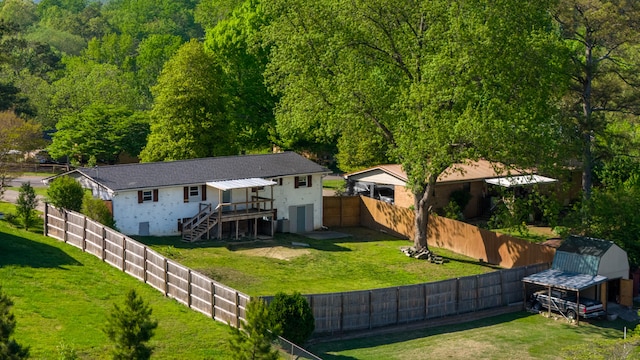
column 580, row 254
column 564, row 279
column 199, row 171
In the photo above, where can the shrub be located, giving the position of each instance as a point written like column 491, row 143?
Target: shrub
column 130, row 327
column 254, row 340
column 97, row 210
column 26, row 205
column 9, row 348
column 293, row 314
column 64, row 192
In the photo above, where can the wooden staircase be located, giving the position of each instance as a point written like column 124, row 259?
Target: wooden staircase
column 200, row 225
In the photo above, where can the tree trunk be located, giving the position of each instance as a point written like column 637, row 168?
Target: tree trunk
column 422, row 203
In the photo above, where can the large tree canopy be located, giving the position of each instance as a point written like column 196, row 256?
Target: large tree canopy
column 604, row 39
column 433, row 83
column 233, row 43
column 188, row 115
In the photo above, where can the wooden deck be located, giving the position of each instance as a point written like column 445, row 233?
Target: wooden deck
column 210, row 221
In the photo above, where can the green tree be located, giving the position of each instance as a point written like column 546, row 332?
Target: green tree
column 26, row 204
column 87, row 82
column 233, row 43
column 432, row 83
column 97, row 210
column 188, row 115
column 66, row 193
column 603, row 38
column 9, row 348
column 253, row 342
column 293, row 315
column 130, row 327
column 102, row 131
column 141, row 18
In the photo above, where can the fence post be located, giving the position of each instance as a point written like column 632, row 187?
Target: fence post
column 237, row 310
column 397, row 305
column 124, row 253
column 188, row 288
column 65, row 236
column 84, row 233
column 370, row 308
column 104, row 243
column 426, row 301
column 166, row 277
column 45, row 231
column 502, row 291
column 477, row 293
column 213, row 300
column 457, row 295
column 342, row 312
column 144, row 264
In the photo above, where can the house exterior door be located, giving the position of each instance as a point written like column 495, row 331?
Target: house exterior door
column 226, row 198
column 301, row 219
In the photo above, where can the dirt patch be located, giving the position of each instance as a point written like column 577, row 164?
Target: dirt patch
column 276, row 252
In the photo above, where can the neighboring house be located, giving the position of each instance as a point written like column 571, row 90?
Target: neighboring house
column 476, row 178
column 228, row 196
column 594, row 268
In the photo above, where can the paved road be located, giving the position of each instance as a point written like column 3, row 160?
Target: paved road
column 35, row 181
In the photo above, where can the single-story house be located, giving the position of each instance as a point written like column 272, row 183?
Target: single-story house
column 594, row 268
column 388, row 183
column 211, row 197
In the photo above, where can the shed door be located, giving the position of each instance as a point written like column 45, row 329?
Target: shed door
column 626, row 292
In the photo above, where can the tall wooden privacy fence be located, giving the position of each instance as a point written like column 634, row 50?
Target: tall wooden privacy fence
column 370, row 309
column 189, row 287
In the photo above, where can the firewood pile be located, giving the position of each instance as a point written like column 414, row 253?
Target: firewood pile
column 423, row 254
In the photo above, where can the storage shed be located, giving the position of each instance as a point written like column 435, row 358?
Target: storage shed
column 594, row 268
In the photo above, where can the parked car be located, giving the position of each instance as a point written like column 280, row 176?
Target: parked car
column 565, row 302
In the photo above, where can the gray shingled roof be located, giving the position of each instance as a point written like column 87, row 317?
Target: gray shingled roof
column 199, row 171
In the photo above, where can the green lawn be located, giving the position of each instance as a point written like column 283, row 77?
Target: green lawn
column 513, row 336
column 62, row 297
column 367, row 259
column 337, row 184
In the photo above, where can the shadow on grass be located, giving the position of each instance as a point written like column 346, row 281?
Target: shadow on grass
column 16, row 250
column 473, row 262
column 601, row 327
column 284, row 240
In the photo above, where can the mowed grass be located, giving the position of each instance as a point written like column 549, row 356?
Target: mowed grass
column 63, row 296
column 519, row 335
column 367, row 259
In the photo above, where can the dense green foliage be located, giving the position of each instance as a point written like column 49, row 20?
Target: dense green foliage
column 65, row 192
column 293, row 315
column 97, row 210
column 425, row 84
column 9, row 348
column 253, row 341
column 131, row 327
column 26, row 205
column 420, row 83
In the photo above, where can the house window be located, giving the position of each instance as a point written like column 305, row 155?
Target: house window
column 194, row 191
column 303, row 181
column 147, row 195
column 278, row 181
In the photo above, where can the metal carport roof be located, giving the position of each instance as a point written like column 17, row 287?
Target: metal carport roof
column 240, row 183
column 564, row 280
column 522, row 180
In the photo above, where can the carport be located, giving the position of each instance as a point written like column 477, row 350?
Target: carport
column 558, row 279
